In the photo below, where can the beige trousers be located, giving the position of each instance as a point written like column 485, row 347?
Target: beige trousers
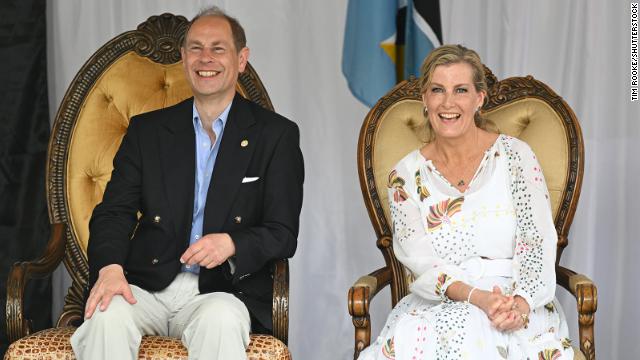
column 211, row 326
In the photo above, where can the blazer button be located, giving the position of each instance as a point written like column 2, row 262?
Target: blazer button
column 156, row 219
column 238, row 219
column 154, row 261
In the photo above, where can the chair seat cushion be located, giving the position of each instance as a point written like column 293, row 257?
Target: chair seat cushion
column 53, row 344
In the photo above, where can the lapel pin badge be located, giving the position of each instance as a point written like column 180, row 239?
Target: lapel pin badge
column 238, row 219
column 244, row 143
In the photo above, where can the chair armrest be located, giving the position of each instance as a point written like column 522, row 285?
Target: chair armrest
column 365, row 288
column 280, row 310
column 21, row 272
column 586, row 294
column 360, row 295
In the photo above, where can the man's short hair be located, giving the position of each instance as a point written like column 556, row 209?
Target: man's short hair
column 237, row 31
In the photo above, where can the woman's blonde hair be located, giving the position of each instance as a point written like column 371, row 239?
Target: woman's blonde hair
column 453, row 54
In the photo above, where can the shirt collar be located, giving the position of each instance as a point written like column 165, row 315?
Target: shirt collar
column 223, row 116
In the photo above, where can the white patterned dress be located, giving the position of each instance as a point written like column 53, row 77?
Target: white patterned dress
column 443, row 235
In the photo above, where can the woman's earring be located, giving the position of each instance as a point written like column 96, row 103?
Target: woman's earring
column 425, row 111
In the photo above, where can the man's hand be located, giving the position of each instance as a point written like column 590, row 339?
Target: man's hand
column 111, row 282
column 209, row 251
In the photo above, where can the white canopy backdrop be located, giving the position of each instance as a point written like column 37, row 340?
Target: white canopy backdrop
column 580, row 48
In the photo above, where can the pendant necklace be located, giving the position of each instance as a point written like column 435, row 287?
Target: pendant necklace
column 465, row 167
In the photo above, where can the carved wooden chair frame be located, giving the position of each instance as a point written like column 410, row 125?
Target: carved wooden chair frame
column 393, row 274
column 159, row 39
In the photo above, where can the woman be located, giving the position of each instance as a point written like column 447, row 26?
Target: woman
column 472, row 222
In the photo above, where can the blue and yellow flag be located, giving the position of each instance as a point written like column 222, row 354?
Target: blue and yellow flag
column 385, row 41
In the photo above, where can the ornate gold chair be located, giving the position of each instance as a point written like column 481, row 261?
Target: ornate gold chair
column 521, row 107
column 137, row 71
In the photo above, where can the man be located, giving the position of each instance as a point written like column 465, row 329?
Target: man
column 217, row 184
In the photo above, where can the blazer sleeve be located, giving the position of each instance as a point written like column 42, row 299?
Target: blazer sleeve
column 114, row 219
column 276, row 236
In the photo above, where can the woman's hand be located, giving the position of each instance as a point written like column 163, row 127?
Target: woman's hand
column 521, row 305
column 514, row 318
column 493, row 303
column 504, row 312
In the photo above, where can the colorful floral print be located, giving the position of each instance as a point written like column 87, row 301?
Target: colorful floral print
column 442, row 280
column 549, row 354
column 550, row 307
column 397, row 183
column 442, row 212
column 421, row 190
column 388, row 349
column 503, row 351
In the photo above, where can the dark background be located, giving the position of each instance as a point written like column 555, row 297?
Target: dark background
column 24, row 134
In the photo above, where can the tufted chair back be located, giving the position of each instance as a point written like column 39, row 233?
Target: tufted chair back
column 521, row 107
column 136, row 72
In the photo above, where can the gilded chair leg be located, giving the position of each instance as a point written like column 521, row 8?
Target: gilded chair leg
column 362, row 335
column 587, row 296
column 359, row 310
column 586, row 337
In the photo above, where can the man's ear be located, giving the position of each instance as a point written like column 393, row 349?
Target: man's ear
column 243, row 58
column 182, row 56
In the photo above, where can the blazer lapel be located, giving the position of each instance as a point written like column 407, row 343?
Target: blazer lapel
column 238, row 143
column 177, row 143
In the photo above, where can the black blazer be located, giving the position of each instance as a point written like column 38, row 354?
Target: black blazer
column 154, row 175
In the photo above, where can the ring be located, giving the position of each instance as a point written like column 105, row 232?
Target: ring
column 525, row 320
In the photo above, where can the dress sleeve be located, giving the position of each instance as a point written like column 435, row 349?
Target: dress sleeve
column 536, row 237
column 411, row 244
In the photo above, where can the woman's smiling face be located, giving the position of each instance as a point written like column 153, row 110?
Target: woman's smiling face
column 452, row 100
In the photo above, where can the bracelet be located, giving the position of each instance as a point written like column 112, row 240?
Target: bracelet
column 470, row 292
